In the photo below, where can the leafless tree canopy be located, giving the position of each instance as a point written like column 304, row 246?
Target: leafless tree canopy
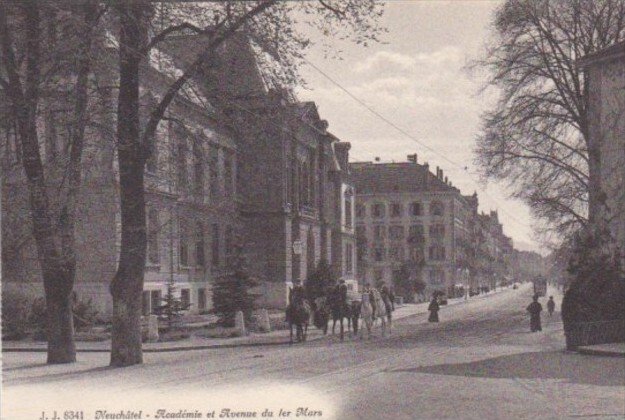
column 536, row 137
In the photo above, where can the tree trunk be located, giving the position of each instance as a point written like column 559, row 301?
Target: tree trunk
column 58, row 280
column 61, row 348
column 127, row 284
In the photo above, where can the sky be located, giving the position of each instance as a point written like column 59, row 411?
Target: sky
column 418, row 80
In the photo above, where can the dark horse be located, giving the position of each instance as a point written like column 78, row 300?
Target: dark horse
column 340, row 309
column 323, row 311
column 298, row 314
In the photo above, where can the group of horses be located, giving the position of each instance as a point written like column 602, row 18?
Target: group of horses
column 371, row 306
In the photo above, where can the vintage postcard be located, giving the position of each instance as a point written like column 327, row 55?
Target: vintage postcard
column 315, row 209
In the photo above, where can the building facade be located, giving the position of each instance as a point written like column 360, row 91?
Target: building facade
column 605, row 72
column 191, row 190
column 405, row 214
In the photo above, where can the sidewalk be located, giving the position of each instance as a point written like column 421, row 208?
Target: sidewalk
column 612, row 350
column 278, row 337
column 273, row 338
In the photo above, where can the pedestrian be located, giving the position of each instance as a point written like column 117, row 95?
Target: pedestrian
column 534, row 309
column 551, row 305
column 433, row 308
column 391, row 295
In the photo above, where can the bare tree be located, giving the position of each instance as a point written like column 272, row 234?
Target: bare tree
column 34, row 64
column 537, row 135
column 269, row 23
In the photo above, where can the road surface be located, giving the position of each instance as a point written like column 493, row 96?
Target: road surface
column 479, row 362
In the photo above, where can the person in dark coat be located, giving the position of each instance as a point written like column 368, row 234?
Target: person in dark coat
column 433, row 308
column 534, row 309
column 391, row 296
column 551, row 305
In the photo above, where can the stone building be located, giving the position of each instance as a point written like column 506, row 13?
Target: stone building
column 605, row 72
column 406, row 214
column 190, row 194
column 295, row 194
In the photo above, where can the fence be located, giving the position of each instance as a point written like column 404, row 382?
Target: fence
column 598, row 332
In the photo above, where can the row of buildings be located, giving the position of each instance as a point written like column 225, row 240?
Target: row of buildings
column 411, row 220
column 238, row 161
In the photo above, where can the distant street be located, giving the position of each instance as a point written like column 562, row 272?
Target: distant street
column 481, row 361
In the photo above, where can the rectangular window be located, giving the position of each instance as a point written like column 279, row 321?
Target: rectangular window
column 437, row 253
column 146, row 308
column 437, row 231
column 213, row 167
column 396, row 233
column 153, row 228
column 181, row 164
column 198, row 169
column 229, row 244
column 201, row 299
column 378, row 254
column 185, row 297
column 183, row 242
column 361, row 233
column 155, row 299
column 377, row 210
column 379, row 232
column 396, row 210
column 415, row 209
column 215, row 260
column 360, row 211
column 396, row 253
column 199, row 245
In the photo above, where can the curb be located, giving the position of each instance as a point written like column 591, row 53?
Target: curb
column 597, row 352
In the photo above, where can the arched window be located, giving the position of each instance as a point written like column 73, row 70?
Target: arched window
column 437, row 208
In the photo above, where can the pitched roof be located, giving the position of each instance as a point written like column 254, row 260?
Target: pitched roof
column 371, row 178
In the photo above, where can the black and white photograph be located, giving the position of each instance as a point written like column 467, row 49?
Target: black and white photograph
column 312, row 209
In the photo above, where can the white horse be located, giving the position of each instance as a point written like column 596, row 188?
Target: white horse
column 380, row 311
column 366, row 314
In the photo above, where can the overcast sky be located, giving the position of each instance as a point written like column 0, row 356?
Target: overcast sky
column 417, row 79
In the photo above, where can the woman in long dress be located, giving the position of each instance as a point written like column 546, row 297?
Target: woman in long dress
column 433, row 308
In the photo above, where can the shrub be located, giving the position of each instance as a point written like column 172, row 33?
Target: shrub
column 37, row 319
column 85, row 314
column 232, row 292
column 14, row 316
column 596, row 292
column 320, row 280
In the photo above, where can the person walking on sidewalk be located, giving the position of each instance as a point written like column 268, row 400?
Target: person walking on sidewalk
column 534, row 309
column 551, row 305
column 433, row 308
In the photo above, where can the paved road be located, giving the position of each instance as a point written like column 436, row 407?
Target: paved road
column 479, row 362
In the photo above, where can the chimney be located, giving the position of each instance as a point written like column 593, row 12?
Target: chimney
column 412, row 158
column 377, row 158
column 426, row 174
column 447, row 181
column 441, row 176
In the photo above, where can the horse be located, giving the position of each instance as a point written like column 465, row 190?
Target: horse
column 366, row 313
column 340, row 309
column 298, row 314
column 321, row 314
column 380, row 310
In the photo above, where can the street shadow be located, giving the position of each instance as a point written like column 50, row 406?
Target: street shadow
column 29, row 366
column 574, row 368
